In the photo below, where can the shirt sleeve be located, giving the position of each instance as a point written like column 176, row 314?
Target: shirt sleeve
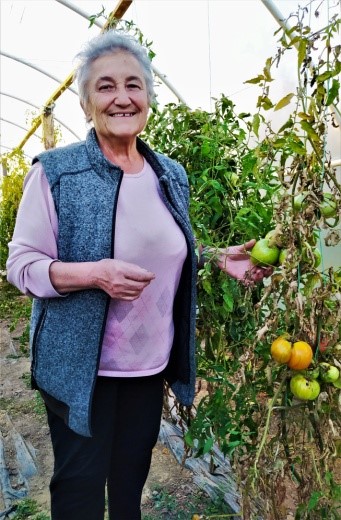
column 34, row 243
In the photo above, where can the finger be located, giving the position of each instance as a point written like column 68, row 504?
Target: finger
column 139, row 275
column 135, row 285
column 249, row 245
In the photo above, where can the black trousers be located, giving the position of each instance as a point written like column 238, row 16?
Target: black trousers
column 125, row 422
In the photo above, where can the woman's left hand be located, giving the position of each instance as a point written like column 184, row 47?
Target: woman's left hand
column 235, row 261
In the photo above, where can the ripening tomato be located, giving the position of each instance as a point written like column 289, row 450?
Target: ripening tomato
column 301, row 356
column 281, row 350
column 323, row 343
column 304, row 389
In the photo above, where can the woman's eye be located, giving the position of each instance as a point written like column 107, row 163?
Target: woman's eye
column 133, row 86
column 105, row 87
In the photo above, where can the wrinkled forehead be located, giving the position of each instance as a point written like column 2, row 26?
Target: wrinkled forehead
column 118, row 64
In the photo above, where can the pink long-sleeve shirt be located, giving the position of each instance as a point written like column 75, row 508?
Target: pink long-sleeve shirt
column 139, row 334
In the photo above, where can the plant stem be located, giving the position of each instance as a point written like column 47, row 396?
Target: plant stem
column 267, row 423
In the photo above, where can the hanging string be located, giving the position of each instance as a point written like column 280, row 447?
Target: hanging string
column 324, row 158
column 209, row 53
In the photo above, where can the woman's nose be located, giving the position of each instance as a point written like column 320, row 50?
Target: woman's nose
column 121, row 97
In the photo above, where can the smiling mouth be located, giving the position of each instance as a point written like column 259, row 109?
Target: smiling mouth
column 120, row 114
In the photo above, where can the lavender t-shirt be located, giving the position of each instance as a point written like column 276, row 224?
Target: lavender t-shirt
column 139, row 334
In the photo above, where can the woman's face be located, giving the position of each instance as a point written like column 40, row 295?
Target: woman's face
column 118, row 101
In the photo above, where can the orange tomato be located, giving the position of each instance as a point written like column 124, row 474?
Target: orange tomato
column 281, row 350
column 301, row 356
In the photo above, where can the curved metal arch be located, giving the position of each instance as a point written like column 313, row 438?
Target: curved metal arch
column 159, row 74
column 32, row 66
column 39, row 108
column 79, row 11
column 11, row 149
column 18, row 126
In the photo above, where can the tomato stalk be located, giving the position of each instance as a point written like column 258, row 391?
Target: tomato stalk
column 284, row 431
column 267, row 425
column 317, row 433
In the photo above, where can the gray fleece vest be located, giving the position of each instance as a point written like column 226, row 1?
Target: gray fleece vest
column 67, row 332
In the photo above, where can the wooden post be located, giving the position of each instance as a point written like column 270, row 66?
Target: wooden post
column 48, row 127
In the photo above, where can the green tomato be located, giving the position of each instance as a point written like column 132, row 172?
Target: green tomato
column 304, row 389
column 328, row 206
column 329, row 373
column 282, row 256
column 299, row 201
column 316, row 254
column 337, row 383
column 263, row 254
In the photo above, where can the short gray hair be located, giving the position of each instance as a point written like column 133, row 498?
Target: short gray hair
column 107, row 43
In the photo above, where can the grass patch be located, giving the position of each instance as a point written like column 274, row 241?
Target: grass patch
column 29, row 509
column 166, row 506
column 16, row 309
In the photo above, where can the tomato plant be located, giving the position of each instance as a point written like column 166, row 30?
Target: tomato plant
column 247, row 180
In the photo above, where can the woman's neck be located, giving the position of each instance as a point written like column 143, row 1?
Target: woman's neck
column 123, row 154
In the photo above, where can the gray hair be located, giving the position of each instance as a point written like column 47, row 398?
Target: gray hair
column 107, row 43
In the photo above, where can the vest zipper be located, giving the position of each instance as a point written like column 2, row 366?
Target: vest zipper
column 108, row 298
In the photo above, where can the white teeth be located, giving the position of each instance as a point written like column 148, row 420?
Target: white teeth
column 121, row 115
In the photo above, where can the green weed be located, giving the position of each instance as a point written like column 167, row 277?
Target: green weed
column 29, row 509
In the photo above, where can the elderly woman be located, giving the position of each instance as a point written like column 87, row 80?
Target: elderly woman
column 104, row 246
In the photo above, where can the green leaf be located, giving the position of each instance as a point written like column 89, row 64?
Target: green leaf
column 310, row 131
column 328, row 75
column 208, row 445
column 207, row 286
column 284, row 101
column 314, row 499
column 266, row 70
column 298, row 147
column 255, row 124
column 265, row 102
column 333, row 92
column 302, row 49
column 188, row 439
column 256, row 80
column 288, row 124
column 228, row 300
column 305, row 116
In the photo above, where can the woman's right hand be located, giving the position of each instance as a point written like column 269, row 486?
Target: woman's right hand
column 121, row 280
column 117, row 278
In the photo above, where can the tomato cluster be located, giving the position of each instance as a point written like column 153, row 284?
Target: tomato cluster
column 298, row 356
column 327, row 207
column 267, row 251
